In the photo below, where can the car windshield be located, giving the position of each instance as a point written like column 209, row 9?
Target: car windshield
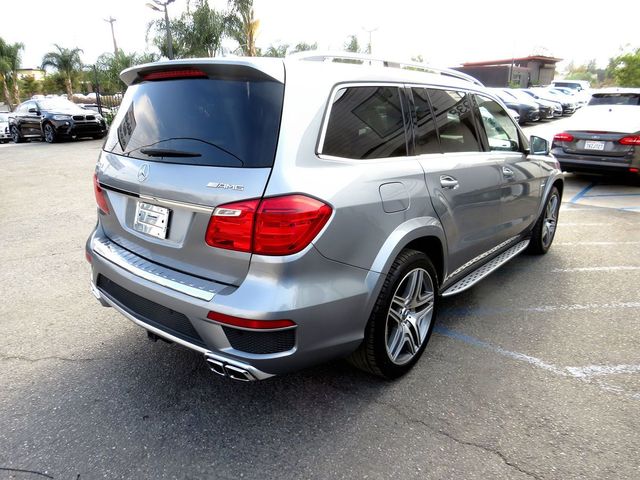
column 615, row 99
column 55, row 103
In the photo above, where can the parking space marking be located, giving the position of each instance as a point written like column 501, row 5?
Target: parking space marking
column 484, row 311
column 612, row 195
column 596, row 269
column 575, row 244
column 584, row 374
column 582, row 193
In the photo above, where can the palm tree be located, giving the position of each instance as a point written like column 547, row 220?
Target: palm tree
column 10, row 57
column 67, row 62
column 243, row 26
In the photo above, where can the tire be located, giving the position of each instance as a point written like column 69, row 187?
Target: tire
column 49, row 133
column 544, row 230
column 15, row 135
column 398, row 330
column 98, row 137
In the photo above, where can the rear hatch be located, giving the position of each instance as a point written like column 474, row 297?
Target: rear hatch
column 187, row 138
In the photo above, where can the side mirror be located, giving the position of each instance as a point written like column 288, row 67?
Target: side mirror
column 538, row 146
column 33, row 110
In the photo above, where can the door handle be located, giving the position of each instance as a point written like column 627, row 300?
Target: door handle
column 507, row 172
column 448, row 182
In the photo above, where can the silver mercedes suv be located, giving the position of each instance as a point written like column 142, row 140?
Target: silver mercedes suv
column 276, row 213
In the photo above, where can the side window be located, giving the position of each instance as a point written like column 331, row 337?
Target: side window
column 501, row 130
column 454, row 118
column 426, row 136
column 366, row 122
column 22, row 108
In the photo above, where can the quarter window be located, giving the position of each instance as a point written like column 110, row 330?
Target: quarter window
column 501, row 131
column 426, row 136
column 454, row 118
column 366, row 122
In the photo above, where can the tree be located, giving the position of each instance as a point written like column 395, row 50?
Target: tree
column 30, row 86
column 352, row 44
column 243, row 26
column 109, row 67
column 197, row 33
column 10, row 57
column 625, row 69
column 276, row 50
column 304, row 47
column 67, row 62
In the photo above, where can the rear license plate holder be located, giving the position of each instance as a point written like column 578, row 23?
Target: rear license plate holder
column 593, row 145
column 151, row 220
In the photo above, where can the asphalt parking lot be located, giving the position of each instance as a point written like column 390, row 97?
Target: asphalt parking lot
column 533, row 373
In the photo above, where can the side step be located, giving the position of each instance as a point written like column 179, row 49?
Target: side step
column 474, row 277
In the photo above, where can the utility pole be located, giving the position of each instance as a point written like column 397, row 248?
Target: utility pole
column 113, row 35
column 370, row 31
column 166, row 22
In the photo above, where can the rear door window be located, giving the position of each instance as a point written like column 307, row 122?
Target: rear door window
column 615, row 99
column 454, row 117
column 502, row 133
column 426, row 136
column 213, row 122
column 366, row 122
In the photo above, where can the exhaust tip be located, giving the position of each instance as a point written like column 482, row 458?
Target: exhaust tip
column 236, row 373
column 216, row 367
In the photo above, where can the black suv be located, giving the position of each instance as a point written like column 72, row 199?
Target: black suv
column 54, row 119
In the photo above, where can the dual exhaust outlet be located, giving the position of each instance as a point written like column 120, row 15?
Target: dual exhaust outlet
column 229, row 371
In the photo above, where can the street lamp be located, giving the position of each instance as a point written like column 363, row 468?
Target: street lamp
column 159, row 3
column 113, row 35
column 370, row 31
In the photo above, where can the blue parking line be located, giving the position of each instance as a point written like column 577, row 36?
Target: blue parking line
column 582, row 193
column 612, row 195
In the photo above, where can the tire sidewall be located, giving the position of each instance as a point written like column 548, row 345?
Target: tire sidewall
column 52, row 138
column 542, row 247
column 379, row 318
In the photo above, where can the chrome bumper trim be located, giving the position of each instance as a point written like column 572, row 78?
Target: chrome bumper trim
column 151, row 272
column 258, row 374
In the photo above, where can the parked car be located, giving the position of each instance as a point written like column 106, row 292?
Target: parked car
column 568, row 106
column 53, row 119
column 272, row 228
column 575, row 96
column 548, row 109
column 4, row 127
column 577, row 85
column 545, row 109
column 604, row 137
column 528, row 110
column 515, row 115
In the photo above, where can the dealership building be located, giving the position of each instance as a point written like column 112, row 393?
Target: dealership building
column 522, row 72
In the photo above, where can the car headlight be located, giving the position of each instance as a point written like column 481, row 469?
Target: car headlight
column 99, row 117
column 61, row 117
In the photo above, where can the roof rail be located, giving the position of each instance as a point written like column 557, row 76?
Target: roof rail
column 322, row 56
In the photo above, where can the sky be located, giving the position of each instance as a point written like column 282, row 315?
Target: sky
column 444, row 33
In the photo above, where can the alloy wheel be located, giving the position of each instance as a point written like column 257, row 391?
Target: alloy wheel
column 550, row 220
column 409, row 316
column 49, row 135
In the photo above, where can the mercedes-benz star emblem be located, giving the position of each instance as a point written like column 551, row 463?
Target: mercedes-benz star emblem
column 143, row 173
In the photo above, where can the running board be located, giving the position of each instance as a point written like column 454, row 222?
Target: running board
column 474, row 277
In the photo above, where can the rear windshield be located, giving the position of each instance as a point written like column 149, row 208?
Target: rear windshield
column 615, row 99
column 225, row 123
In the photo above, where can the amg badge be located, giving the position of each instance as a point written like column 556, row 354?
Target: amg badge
column 226, row 186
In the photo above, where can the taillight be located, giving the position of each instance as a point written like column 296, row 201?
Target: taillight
column 563, row 137
column 101, row 199
column 231, row 226
column 178, row 73
column 248, row 323
column 630, row 140
column 274, row 226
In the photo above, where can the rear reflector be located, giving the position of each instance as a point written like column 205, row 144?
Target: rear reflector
column 631, row 140
column 247, row 323
column 634, row 170
column 563, row 137
column 101, row 200
column 167, row 74
column 88, row 256
column 274, row 226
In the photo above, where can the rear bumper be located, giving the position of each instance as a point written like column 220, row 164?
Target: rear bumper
column 328, row 301
column 593, row 163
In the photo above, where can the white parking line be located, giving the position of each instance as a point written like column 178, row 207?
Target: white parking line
column 595, row 269
column 598, row 370
column 565, row 244
column 587, row 306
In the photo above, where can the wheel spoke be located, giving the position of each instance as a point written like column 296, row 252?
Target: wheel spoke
column 413, row 287
column 396, row 343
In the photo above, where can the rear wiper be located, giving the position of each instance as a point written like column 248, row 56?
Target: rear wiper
column 165, row 152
